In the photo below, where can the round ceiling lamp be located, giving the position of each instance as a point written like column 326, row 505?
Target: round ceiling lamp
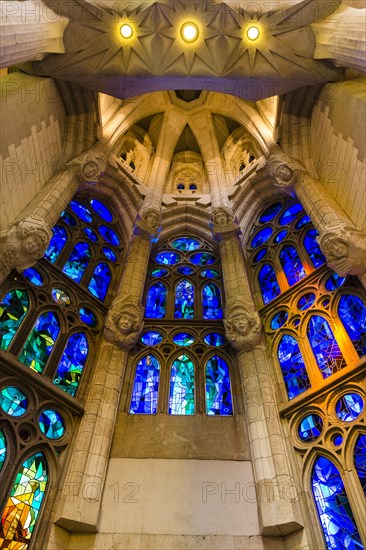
column 189, row 32
column 253, row 33
column 126, row 31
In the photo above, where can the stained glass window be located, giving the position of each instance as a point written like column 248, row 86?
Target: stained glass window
column 61, row 297
column 156, row 302
column 210, row 273
column 91, row 234
column 40, row 341
column 159, row 272
column 262, row 237
column 279, row 319
column 72, row 363
column 326, row 350
column 333, row 507
column 67, row 218
column 293, row 367
column 202, row 258
column 214, row 339
column 310, row 427
column 183, row 339
column 292, row 265
column 146, row 386
column 181, row 400
column 101, row 210
column 185, row 270
column 211, row 302
column 57, row 243
column 81, row 211
column 334, row 282
column 33, row 276
column 218, row 387
column 185, row 243
column 100, row 281
column 109, row 235
column 270, row 212
column 360, row 460
column 290, row 214
column 77, row 262
column 109, row 254
column 51, row 424
column 349, row 407
column 88, row 317
column 13, row 401
column 184, row 300
column 306, row 301
column 302, row 222
column 152, row 338
column 13, row 309
column 268, row 283
column 167, row 258
column 2, row 449
column 260, row 255
column 313, row 249
column 24, row 504
column 352, row 313
column 280, row 236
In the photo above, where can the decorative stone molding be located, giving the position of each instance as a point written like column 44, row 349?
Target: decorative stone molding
column 242, row 324
column 224, row 225
column 284, row 172
column 89, row 166
column 148, row 223
column 345, row 249
column 124, row 323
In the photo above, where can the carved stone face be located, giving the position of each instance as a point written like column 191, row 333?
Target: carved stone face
column 91, row 170
column 32, row 244
column 283, row 172
column 126, row 323
column 151, row 219
column 337, row 249
column 240, row 324
column 221, row 218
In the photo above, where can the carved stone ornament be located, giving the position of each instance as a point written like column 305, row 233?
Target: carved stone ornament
column 148, row 223
column 344, row 247
column 124, row 323
column 284, row 172
column 242, row 324
column 89, row 166
column 223, row 224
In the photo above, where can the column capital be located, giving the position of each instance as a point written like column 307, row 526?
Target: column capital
column 242, row 324
column 344, row 247
column 224, row 226
column 124, row 322
column 284, row 171
column 89, row 166
column 148, row 223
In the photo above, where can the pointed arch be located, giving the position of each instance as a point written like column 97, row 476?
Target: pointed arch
column 184, row 300
column 211, row 302
column 182, row 386
column 145, row 390
column 324, row 345
column 40, row 341
column 291, row 264
column 292, row 365
column 156, row 301
column 218, row 387
column 100, row 281
column 268, row 283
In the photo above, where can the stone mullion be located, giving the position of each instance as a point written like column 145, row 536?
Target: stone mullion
column 234, row 275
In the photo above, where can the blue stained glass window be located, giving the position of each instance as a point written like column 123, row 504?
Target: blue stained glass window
column 13, row 309
column 280, row 236
column 184, row 300
column 293, row 367
column 91, row 234
column 40, row 341
column 186, row 244
column 218, row 388
column 100, row 281
column 292, row 265
column 290, row 214
column 82, row 211
column 214, row 339
column 60, row 297
column 185, row 270
column 202, row 258
column 211, row 302
column 146, row 386
column 88, row 317
column 352, row 312
column 333, row 507
column 313, row 249
column 360, row 460
column 310, row 427
column 334, row 282
column 181, row 400
column 156, row 302
column 109, row 235
column 51, row 424
column 167, row 258
column 2, row 449
column 210, row 273
column 67, row 218
column 337, row 440
column 270, row 212
column 33, row 276
column 77, row 262
column 349, row 407
column 159, row 272
column 306, row 301
column 279, row 319
column 268, row 283
column 101, row 210
column 260, row 255
column 13, row 401
column 108, row 253
column 151, row 338
column 302, row 222
column 262, row 237
column 57, row 243
column 183, row 339
column 72, row 363
column 326, row 350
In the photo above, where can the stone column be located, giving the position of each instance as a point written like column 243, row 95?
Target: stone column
column 27, row 239
column 343, row 245
column 29, row 31
column 79, row 507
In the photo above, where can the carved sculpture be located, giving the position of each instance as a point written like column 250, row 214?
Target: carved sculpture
column 284, row 172
column 124, row 323
column 89, row 166
column 148, row 223
column 345, row 249
column 242, row 324
column 224, row 225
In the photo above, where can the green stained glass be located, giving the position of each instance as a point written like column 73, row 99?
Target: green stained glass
column 40, row 342
column 24, row 503
column 51, row 424
column 72, row 363
column 13, row 309
column 13, row 401
column 2, row 449
column 181, row 400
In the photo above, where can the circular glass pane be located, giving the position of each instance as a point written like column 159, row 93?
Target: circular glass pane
column 279, row 320
column 260, row 255
column 159, row 272
column 306, row 301
column 33, row 276
column 290, row 214
column 334, row 282
column 280, row 236
column 337, row 440
column 185, row 270
column 303, row 221
column 262, row 237
column 61, row 297
column 151, row 338
column 51, row 424
column 81, row 211
column 186, row 244
column 91, row 234
column 202, row 258
column 270, row 213
column 167, row 258
column 349, row 407
column 210, row 273
column 101, row 210
column 183, row 339
column 214, row 339
column 109, row 235
column 108, row 253
column 88, row 317
column 13, row 401
column 310, row 427
column 67, row 218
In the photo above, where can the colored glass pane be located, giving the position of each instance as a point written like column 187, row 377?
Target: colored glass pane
column 352, row 312
column 109, row 235
column 181, row 399
column 334, row 282
column 280, row 236
column 156, row 302
column 279, row 319
column 167, row 258
column 302, row 222
column 77, row 262
column 13, row 401
column 108, row 253
column 290, row 214
column 100, row 281
column 81, row 211
column 313, row 249
column 270, row 212
column 293, row 367
column 333, row 507
column 262, row 237
column 349, row 407
column 101, row 210
column 326, row 350
column 2, row 448
column 210, row 273
column 360, row 460
column 67, row 218
column 306, row 301
column 268, row 283
column 184, row 300
column 88, row 317
column 24, row 504
column 337, row 440
column 186, row 244
column 211, row 302
column 40, row 341
column 146, row 386
column 214, row 339
column 159, row 272
column 51, row 424
column 202, row 258
column 61, row 297
column 90, row 234
column 185, row 270
column 218, row 388
column 33, row 276
column 260, row 255
column 72, row 363
column 310, row 427
column 13, row 309
column 183, row 339
column 151, row 338
column 57, row 243
column 292, row 265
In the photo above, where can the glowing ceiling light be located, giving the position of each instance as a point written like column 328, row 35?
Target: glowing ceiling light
column 126, row 31
column 189, row 32
column 253, row 33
